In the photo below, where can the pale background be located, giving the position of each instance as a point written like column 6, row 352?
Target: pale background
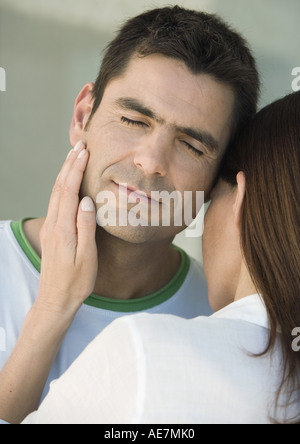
column 51, row 48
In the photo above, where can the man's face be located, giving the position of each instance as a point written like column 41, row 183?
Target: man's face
column 158, row 128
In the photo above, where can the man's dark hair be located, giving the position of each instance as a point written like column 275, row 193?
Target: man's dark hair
column 202, row 41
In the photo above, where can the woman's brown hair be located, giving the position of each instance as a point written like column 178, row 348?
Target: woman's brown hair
column 268, row 152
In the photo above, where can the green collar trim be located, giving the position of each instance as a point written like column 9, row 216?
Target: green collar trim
column 17, row 229
column 128, row 306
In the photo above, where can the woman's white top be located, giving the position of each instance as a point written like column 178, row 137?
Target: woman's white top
column 161, row 369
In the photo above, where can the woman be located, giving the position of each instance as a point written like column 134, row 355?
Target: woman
column 268, row 154
column 237, row 366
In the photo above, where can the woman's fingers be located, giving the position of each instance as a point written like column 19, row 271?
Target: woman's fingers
column 86, row 242
column 69, row 200
column 69, row 250
column 53, row 208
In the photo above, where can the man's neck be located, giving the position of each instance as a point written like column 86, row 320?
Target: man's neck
column 126, row 271
column 131, row 271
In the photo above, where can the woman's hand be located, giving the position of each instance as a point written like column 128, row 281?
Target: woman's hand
column 69, row 252
column 68, row 274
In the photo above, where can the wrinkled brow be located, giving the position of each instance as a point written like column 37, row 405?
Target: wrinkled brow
column 206, row 139
column 131, row 104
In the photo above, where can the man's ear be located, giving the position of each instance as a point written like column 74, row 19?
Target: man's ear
column 82, row 110
column 239, row 199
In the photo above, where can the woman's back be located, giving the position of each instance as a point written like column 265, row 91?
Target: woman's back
column 168, row 370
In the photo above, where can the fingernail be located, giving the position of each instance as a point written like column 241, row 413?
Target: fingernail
column 78, row 145
column 70, row 154
column 87, row 205
column 82, row 154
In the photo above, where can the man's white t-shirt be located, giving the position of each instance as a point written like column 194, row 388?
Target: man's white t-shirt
column 161, row 369
column 185, row 296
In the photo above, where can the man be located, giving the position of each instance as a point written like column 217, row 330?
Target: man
column 173, row 89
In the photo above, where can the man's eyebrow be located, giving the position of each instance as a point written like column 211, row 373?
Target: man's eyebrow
column 128, row 103
column 206, row 139
column 203, row 137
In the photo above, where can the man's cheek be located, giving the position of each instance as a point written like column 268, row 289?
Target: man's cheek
column 112, row 140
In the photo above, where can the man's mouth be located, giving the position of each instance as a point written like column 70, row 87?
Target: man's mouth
column 136, row 194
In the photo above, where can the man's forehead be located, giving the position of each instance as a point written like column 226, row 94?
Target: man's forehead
column 175, row 95
column 166, row 78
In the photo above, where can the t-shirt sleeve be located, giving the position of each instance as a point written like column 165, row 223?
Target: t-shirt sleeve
column 102, row 386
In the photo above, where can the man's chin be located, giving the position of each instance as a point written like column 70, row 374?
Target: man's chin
column 139, row 235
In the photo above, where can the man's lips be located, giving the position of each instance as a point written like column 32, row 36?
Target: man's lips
column 135, row 192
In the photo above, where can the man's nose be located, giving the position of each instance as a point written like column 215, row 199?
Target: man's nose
column 153, row 155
